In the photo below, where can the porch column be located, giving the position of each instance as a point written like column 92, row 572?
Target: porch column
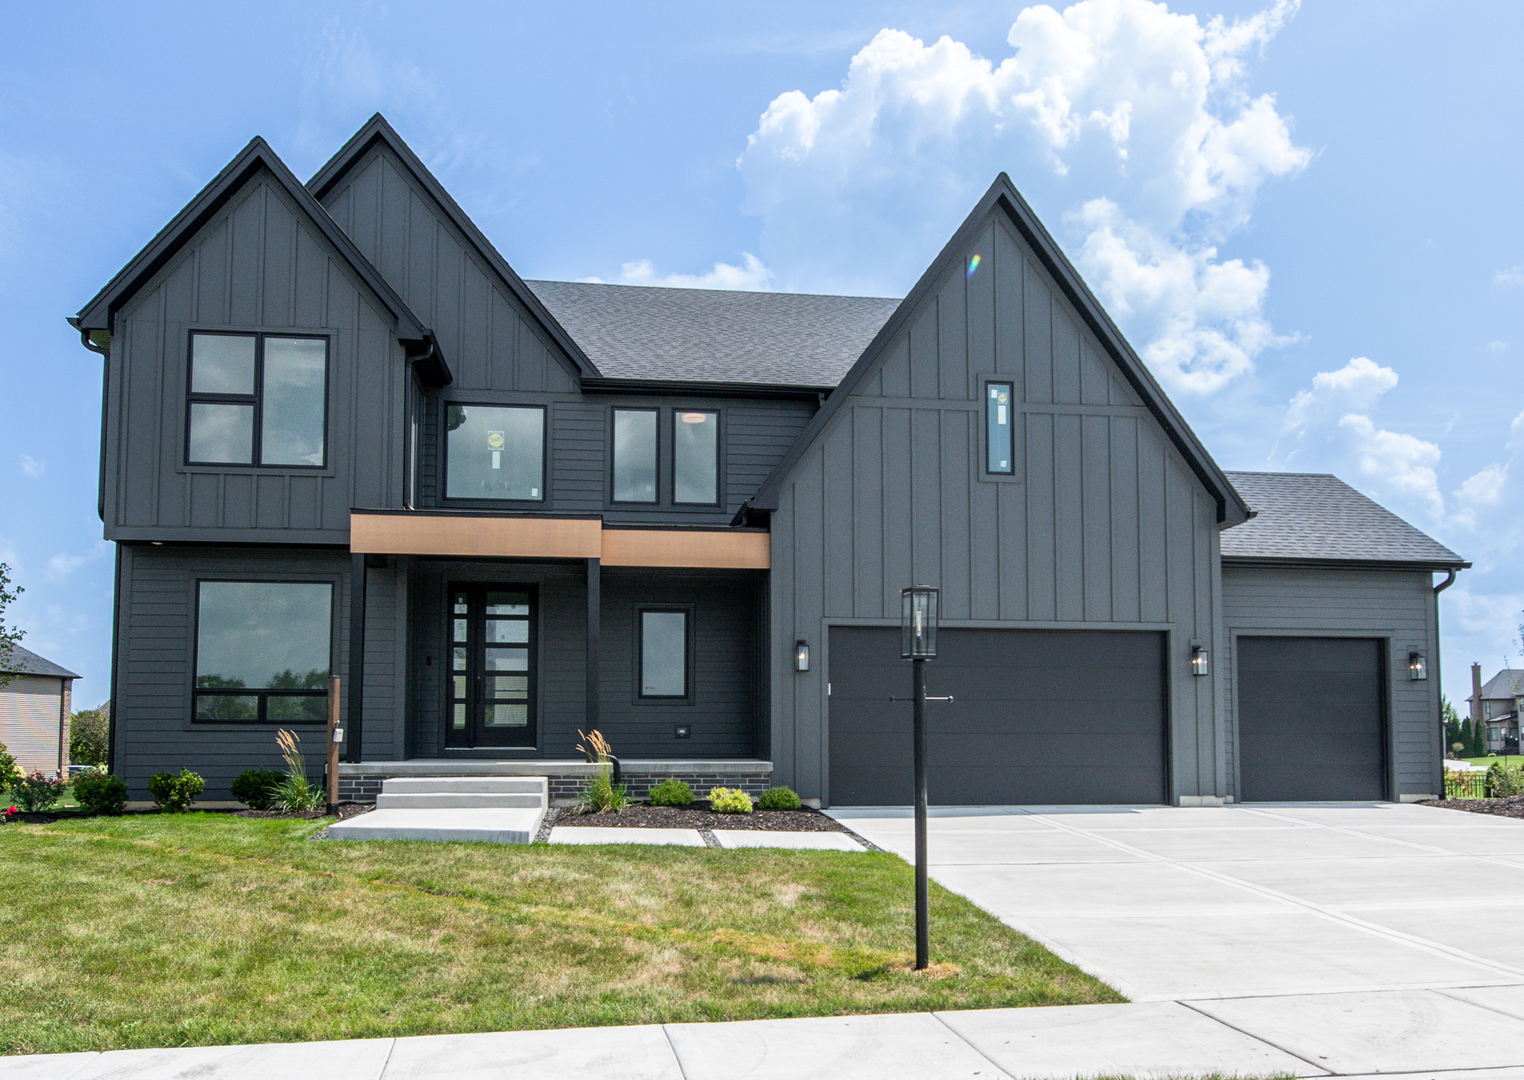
column 354, row 721
column 594, row 621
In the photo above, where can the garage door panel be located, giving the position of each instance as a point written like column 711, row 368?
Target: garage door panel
column 1310, row 719
column 1039, row 717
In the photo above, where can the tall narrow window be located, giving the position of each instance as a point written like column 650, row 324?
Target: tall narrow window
column 635, row 455
column 257, row 399
column 262, row 651
column 495, row 452
column 663, row 654
column 696, row 457
column 999, row 429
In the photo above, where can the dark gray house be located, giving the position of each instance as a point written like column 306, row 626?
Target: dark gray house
column 340, row 434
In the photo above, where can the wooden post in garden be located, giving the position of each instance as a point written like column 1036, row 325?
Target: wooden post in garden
column 334, row 735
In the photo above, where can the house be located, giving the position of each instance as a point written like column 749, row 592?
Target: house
column 342, row 435
column 1496, row 705
column 35, row 707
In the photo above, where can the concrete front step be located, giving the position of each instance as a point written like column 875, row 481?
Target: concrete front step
column 451, row 800
column 465, row 785
column 498, row 826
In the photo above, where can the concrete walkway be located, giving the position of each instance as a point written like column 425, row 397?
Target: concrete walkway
column 1307, row 940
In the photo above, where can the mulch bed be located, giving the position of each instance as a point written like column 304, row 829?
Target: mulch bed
column 699, row 816
column 344, row 811
column 1513, row 806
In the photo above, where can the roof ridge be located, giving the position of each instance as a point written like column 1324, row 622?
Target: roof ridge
column 698, row 289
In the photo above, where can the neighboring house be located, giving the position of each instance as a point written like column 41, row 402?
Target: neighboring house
column 35, row 707
column 341, row 434
column 1496, row 705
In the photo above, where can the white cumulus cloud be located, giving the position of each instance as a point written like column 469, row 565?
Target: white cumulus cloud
column 1144, row 106
column 750, row 276
column 1398, row 463
column 1354, row 387
column 1514, row 275
column 32, row 466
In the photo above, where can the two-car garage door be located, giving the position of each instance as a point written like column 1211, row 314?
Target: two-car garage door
column 1038, row 716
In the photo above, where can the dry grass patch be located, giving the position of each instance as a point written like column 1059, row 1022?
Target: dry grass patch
column 169, row 931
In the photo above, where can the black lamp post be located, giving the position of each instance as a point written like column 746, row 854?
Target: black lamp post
column 918, row 644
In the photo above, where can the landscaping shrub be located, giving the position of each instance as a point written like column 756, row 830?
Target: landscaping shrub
column 8, row 768
column 724, row 800
column 1504, row 781
column 100, row 793
column 295, row 795
column 778, row 798
column 89, row 732
column 601, row 793
column 258, row 789
column 174, row 792
column 671, row 792
column 37, row 792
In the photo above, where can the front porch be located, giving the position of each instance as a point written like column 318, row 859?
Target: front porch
column 360, row 781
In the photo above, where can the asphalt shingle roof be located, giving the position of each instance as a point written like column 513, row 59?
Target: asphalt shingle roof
column 1505, row 684
column 1317, row 516
column 712, row 335
column 26, row 662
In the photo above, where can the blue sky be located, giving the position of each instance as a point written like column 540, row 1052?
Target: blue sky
column 1306, row 218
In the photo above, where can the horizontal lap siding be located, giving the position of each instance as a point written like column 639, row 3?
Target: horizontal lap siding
column 1394, row 604
column 1102, row 524
column 31, row 709
column 257, row 265
column 156, row 640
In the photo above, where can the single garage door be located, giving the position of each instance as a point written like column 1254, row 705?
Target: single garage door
column 1311, row 719
column 1040, row 716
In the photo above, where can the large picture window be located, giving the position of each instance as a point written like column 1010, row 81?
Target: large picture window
column 696, row 457
column 495, row 452
column 635, row 455
column 263, row 651
column 663, row 653
column 257, row 399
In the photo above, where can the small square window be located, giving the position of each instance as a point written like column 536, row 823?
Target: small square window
column 257, row 399
column 495, row 452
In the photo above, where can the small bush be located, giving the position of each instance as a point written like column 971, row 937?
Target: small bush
column 671, row 792
column 778, row 798
column 174, row 792
column 8, row 768
column 101, row 793
column 724, row 800
column 1504, row 781
column 601, row 793
column 258, row 788
column 37, row 792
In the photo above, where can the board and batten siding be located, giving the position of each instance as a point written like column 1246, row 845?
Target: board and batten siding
column 1103, row 524
column 1397, row 606
column 258, row 265
column 34, row 722
column 155, row 640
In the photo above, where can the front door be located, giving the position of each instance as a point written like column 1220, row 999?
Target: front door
column 492, row 666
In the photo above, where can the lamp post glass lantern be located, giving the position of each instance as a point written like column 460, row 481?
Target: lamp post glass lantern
column 918, row 644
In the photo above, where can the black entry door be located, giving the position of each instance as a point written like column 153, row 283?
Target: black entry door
column 1038, row 716
column 492, row 666
column 1311, row 719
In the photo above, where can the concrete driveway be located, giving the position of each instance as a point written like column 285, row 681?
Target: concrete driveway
column 1358, row 937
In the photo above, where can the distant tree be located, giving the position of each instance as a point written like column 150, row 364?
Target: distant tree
column 89, row 737
column 1478, row 746
column 9, row 637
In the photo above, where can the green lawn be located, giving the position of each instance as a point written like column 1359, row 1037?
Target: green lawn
column 206, row 928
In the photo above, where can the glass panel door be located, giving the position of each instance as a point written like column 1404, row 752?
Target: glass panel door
column 491, row 695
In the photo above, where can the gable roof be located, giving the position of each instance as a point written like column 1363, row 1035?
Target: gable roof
column 720, row 336
column 1314, row 517
column 26, row 662
column 256, row 156
column 1002, row 196
column 1507, row 683
column 377, row 130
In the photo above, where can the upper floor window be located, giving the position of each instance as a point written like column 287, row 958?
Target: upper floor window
column 635, row 455
column 696, row 457
column 262, row 651
column 257, row 399
column 1000, row 440
column 495, row 452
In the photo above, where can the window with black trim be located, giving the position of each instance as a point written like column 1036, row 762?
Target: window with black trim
column 495, row 452
column 635, row 455
column 257, row 399
column 695, row 457
column 999, row 427
column 664, row 649
column 263, row 651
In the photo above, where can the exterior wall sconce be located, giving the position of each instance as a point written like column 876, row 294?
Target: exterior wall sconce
column 1201, row 660
column 801, row 655
column 918, row 623
column 1418, row 666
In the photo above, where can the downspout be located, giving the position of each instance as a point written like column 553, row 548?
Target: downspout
column 1440, row 690
column 407, row 424
column 1445, row 584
